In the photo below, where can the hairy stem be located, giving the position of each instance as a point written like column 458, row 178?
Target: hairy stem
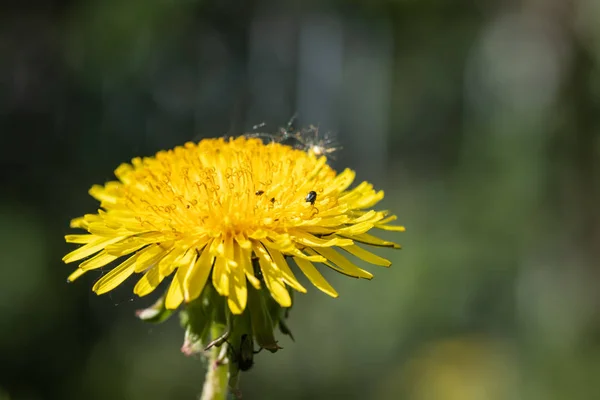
column 217, row 375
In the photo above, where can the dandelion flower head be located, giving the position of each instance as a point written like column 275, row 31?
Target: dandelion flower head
column 229, row 211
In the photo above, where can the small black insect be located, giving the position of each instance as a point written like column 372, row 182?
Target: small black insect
column 311, row 197
column 259, row 192
column 245, row 356
column 272, row 199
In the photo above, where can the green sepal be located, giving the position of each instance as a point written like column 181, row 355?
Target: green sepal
column 218, row 341
column 197, row 319
column 184, row 319
column 200, row 312
column 262, row 323
column 156, row 313
column 192, row 343
column 240, row 325
column 283, row 328
column 241, row 350
column 219, row 304
column 279, row 314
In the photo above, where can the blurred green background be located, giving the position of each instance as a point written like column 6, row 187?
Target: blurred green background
column 480, row 119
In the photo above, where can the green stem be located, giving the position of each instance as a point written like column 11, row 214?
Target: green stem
column 217, row 375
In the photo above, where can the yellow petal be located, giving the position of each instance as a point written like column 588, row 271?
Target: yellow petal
column 175, row 294
column 186, row 259
column 331, row 222
column 372, row 240
column 78, row 223
column 286, row 273
column 370, row 200
column 315, row 276
column 330, row 264
column 293, row 250
column 310, row 240
column 387, row 220
column 122, row 249
column 147, row 283
column 98, row 261
column 169, row 262
column 91, row 248
column 99, row 193
column 83, row 222
column 342, row 263
column 215, row 245
column 369, row 216
column 357, row 229
column 116, row 276
column 197, row 275
column 80, row 239
column 75, row 274
column 352, row 195
column 244, row 260
column 150, row 256
column 156, row 275
column 243, row 241
column 229, row 250
column 320, row 230
column 367, row 256
column 275, row 285
column 272, row 280
column 341, row 182
column 103, row 228
column 220, row 276
column 238, row 292
column 220, row 247
column 259, row 234
column 393, row 228
column 132, row 244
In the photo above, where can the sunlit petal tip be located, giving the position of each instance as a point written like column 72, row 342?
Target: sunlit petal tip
column 284, row 301
column 235, row 308
column 79, row 239
column 115, row 277
column 220, row 277
column 367, row 256
column 232, row 263
column 147, row 283
column 75, row 274
column 392, row 228
column 100, row 193
column 385, row 263
column 388, row 218
column 173, row 304
column 77, row 222
column 316, row 258
column 254, row 282
column 243, row 242
column 342, row 264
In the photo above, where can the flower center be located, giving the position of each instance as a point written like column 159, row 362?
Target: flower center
column 238, row 187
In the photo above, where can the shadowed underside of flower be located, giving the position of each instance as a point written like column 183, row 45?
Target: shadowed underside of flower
column 207, row 210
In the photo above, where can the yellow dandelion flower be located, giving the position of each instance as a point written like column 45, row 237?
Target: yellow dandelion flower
column 216, row 209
